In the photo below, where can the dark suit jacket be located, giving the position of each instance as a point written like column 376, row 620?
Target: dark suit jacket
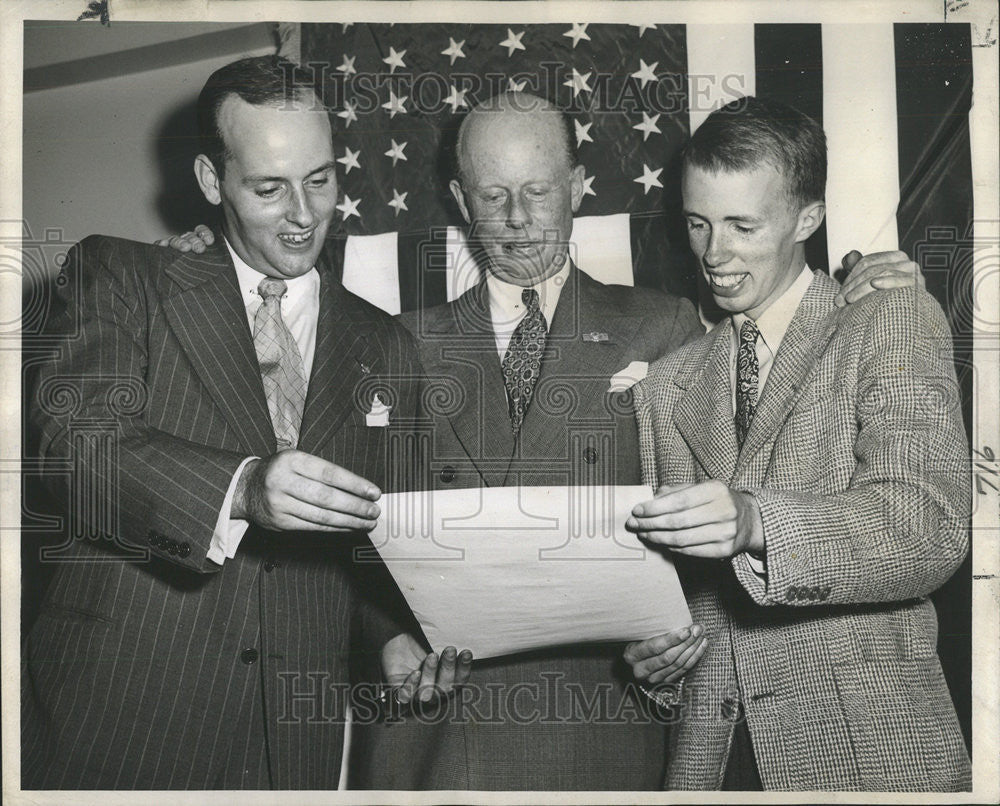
column 561, row 718
column 150, row 666
column 858, row 460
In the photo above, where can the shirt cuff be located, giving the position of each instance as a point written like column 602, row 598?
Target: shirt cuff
column 758, row 565
column 228, row 531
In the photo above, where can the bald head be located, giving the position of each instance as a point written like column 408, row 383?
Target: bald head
column 519, row 185
column 513, row 111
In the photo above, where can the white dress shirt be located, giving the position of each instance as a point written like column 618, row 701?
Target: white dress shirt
column 773, row 325
column 507, row 310
column 300, row 312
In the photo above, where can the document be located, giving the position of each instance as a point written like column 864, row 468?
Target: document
column 507, row 569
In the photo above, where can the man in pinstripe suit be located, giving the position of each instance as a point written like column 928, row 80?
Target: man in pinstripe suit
column 818, row 453
column 200, row 638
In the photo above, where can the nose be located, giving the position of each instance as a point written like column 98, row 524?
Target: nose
column 716, row 250
column 299, row 211
column 517, row 214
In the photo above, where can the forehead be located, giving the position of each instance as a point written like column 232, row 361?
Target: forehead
column 275, row 134
column 512, row 147
column 730, row 193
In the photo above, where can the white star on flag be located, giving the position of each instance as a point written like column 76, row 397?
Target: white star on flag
column 396, row 152
column 454, row 50
column 350, row 160
column 395, row 104
column 394, row 59
column 578, row 82
column 643, row 28
column 512, row 42
column 578, row 32
column 649, row 178
column 347, row 68
column 588, row 189
column 456, row 98
column 398, row 201
column 349, row 207
column 648, row 126
column 348, row 114
column 516, row 86
column 645, row 72
column 582, row 133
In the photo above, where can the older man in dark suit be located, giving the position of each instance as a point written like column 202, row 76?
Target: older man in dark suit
column 201, row 639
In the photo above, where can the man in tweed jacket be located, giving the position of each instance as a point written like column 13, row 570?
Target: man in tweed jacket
column 808, row 550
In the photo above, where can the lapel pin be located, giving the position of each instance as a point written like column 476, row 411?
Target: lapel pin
column 595, row 336
column 365, row 369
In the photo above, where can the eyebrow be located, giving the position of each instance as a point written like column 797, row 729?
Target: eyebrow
column 744, row 218
column 253, row 180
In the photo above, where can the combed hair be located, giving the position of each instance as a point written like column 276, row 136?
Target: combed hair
column 259, row 80
column 750, row 131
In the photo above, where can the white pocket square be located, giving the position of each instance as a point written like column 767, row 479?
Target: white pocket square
column 378, row 417
column 625, row 379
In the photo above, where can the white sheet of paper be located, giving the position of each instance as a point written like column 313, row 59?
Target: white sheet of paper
column 506, row 569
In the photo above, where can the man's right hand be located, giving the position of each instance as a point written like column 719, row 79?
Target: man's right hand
column 292, row 490
column 190, row 241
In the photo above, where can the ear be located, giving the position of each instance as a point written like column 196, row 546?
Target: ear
column 456, row 190
column 576, row 186
column 208, row 179
column 810, row 218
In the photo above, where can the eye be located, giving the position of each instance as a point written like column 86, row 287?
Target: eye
column 743, row 230
column 268, row 191
column 694, row 224
column 319, row 181
column 494, row 198
column 536, row 193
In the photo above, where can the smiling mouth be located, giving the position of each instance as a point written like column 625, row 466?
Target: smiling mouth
column 296, row 239
column 726, row 281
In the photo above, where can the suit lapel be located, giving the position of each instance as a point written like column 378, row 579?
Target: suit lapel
column 345, row 354
column 570, row 364
column 808, row 333
column 205, row 310
column 704, row 413
column 464, row 350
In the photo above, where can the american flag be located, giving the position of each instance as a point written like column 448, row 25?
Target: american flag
column 893, row 98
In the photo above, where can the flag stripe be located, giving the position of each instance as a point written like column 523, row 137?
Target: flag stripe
column 859, row 113
column 933, row 101
column 721, row 67
column 790, row 69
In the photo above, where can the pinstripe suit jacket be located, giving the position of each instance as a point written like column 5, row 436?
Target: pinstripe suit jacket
column 556, row 719
column 165, row 670
column 857, row 457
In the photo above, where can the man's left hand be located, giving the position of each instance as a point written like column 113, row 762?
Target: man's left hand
column 416, row 676
column 701, row 520
column 878, row 270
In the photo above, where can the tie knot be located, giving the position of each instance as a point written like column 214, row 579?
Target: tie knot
column 272, row 287
column 749, row 332
column 530, row 299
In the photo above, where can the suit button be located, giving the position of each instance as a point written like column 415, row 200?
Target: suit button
column 249, row 656
column 447, row 474
column 590, row 456
column 172, row 547
column 270, row 565
column 184, row 550
column 732, row 710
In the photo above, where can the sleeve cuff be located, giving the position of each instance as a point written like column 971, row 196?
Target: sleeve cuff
column 228, row 531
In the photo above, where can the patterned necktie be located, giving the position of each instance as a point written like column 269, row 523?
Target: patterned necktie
column 523, row 360
column 747, row 376
column 281, row 367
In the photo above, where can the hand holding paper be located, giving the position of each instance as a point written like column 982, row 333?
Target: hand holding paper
column 701, row 520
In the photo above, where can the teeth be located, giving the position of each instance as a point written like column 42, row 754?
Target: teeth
column 727, row 280
column 296, row 238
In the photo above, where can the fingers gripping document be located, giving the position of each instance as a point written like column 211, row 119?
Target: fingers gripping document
column 507, row 569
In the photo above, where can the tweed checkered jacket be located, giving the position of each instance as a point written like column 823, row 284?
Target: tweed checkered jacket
column 858, row 460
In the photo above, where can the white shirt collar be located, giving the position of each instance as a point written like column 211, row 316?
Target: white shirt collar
column 300, row 288
column 505, row 298
column 774, row 321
